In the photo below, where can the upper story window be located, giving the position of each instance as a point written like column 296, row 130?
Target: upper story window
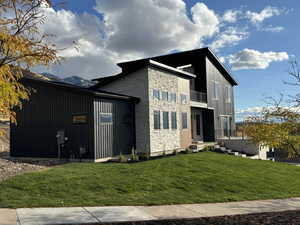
column 183, row 99
column 156, row 94
column 173, row 97
column 227, row 94
column 165, row 96
column 215, row 90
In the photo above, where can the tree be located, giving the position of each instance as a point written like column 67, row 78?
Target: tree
column 276, row 128
column 279, row 126
column 22, row 46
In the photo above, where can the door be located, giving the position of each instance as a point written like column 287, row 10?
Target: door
column 197, row 125
column 225, row 126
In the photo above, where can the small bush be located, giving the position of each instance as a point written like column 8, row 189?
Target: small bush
column 134, row 157
column 208, row 149
column 144, row 156
column 122, row 158
column 164, row 153
column 188, row 151
column 175, row 152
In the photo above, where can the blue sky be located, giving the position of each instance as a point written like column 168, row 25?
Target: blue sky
column 264, row 32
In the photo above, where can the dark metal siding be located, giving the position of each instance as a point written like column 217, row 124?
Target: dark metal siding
column 221, row 107
column 50, row 109
column 119, row 136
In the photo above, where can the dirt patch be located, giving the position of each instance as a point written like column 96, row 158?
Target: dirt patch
column 274, row 218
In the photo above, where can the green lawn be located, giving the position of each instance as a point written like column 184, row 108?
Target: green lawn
column 185, row 178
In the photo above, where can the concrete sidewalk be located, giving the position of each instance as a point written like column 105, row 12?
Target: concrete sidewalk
column 86, row 215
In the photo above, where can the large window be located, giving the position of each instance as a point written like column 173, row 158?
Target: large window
column 156, row 118
column 227, row 94
column 174, row 120
column 166, row 120
column 184, row 99
column 173, row 97
column 156, row 94
column 215, row 90
column 165, row 96
column 184, row 120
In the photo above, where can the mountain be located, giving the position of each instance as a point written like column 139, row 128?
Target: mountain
column 75, row 80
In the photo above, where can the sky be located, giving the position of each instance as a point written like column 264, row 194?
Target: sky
column 255, row 39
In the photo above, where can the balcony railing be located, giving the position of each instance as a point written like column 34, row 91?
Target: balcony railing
column 198, row 96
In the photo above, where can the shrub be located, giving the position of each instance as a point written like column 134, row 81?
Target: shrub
column 188, row 151
column 175, row 152
column 122, row 158
column 134, row 156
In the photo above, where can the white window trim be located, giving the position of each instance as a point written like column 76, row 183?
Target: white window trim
column 228, row 95
column 215, row 84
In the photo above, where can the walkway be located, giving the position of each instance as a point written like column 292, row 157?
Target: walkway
column 86, row 215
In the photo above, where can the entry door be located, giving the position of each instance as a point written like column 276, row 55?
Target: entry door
column 197, row 126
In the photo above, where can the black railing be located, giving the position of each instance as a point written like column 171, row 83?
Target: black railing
column 198, row 96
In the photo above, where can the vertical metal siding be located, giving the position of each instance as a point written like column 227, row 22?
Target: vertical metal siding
column 112, row 139
column 50, row 109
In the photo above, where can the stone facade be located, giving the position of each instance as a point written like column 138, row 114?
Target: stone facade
column 168, row 139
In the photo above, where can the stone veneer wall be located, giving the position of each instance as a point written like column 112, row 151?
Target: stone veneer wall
column 167, row 139
column 136, row 85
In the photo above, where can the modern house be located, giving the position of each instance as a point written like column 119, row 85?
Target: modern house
column 154, row 105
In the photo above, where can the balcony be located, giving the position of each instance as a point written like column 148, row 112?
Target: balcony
column 197, row 96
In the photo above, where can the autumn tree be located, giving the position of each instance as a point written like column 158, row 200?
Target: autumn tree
column 277, row 127
column 22, row 46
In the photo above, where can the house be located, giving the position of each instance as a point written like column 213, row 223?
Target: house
column 185, row 98
column 154, row 105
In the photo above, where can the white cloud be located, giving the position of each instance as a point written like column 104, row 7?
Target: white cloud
column 135, row 29
column 266, row 13
column 230, row 37
column 271, row 28
column 130, row 30
column 231, row 16
column 253, row 59
column 153, row 27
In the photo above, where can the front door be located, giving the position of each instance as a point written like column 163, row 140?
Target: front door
column 197, row 125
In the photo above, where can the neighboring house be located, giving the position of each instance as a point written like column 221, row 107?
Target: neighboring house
column 185, row 98
column 154, row 105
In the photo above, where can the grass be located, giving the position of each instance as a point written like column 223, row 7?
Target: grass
column 185, row 178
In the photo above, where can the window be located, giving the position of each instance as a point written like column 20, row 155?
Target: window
column 183, row 99
column 173, row 97
column 79, row 119
column 227, row 94
column 156, row 94
column 184, row 120
column 174, row 120
column 166, row 120
column 165, row 96
column 156, row 116
column 215, row 90
column 106, row 118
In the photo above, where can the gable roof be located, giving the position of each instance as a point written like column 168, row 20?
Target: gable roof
column 183, row 58
column 170, row 61
column 138, row 65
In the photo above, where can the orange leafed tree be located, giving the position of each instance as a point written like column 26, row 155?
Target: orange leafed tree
column 22, row 46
